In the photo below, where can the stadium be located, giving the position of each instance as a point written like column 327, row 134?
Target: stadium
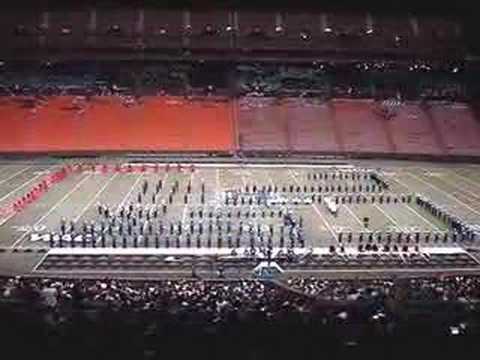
column 238, row 174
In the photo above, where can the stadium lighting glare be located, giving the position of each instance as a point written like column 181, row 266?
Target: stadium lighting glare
column 209, row 29
column 305, row 36
column 66, row 30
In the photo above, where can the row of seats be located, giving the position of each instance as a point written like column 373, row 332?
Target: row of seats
column 389, row 260
column 333, row 260
column 114, row 123
column 355, row 126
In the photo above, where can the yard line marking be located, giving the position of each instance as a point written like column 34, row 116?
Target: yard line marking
column 461, row 188
column 401, row 183
column 59, row 202
column 354, row 215
column 444, row 192
column 134, row 185
column 392, row 220
column 16, row 174
column 185, row 206
column 44, row 256
column 422, row 217
column 20, row 187
column 7, row 218
column 99, row 192
column 317, row 210
column 465, row 178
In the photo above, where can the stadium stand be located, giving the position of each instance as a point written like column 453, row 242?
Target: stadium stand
column 458, row 127
column 360, row 127
column 412, row 131
column 262, row 125
column 310, row 127
column 110, row 124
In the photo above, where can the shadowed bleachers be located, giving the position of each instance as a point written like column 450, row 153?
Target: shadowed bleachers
column 412, row 132
column 262, row 125
column 458, row 127
column 310, row 127
column 362, row 130
column 107, row 124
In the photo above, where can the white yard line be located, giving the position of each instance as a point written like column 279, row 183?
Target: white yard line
column 466, row 179
column 44, row 256
column 125, row 198
column 3, row 221
column 95, row 197
column 422, row 217
column 16, row 174
column 401, row 183
column 444, row 192
column 57, row 204
column 185, row 206
column 354, row 216
column 317, row 210
column 20, row 187
column 392, row 220
column 461, row 188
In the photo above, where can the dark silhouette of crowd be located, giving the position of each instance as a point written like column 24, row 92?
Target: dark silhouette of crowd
column 299, row 317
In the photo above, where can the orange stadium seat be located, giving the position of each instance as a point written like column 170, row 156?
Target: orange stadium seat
column 105, row 124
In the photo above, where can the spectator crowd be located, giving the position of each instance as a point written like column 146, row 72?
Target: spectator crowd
column 242, row 318
column 215, row 298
